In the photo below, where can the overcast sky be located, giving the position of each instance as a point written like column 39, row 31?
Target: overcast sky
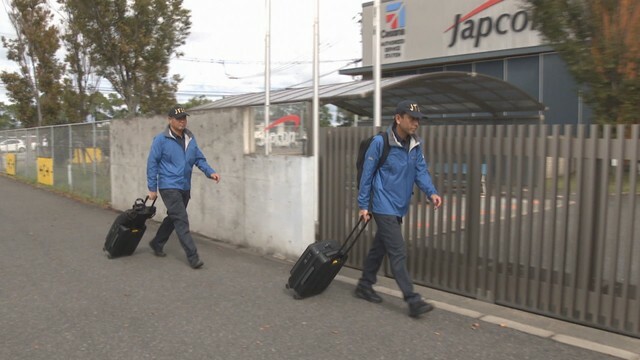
column 226, row 49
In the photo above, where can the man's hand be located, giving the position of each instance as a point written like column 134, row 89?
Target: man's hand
column 153, row 195
column 364, row 214
column 436, row 200
column 215, row 177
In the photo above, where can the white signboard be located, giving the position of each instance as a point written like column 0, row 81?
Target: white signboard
column 427, row 29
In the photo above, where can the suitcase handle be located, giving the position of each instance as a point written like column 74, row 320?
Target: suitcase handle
column 147, row 198
column 349, row 244
column 140, row 204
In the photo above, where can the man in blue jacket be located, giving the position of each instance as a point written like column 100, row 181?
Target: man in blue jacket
column 385, row 193
column 169, row 165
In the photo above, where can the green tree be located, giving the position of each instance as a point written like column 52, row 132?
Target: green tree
column 600, row 42
column 196, row 101
column 107, row 107
column 130, row 43
column 36, row 87
column 80, row 85
column 7, row 116
column 345, row 118
column 325, row 116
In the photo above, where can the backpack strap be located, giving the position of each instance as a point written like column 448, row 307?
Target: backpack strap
column 385, row 149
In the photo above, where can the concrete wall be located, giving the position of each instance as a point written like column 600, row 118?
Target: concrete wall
column 262, row 202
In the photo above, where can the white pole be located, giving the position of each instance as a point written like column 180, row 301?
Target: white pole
column 316, row 106
column 267, row 77
column 377, row 59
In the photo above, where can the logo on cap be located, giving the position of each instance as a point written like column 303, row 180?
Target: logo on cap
column 178, row 112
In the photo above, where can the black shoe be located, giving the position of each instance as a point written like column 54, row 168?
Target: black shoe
column 196, row 264
column 368, row 294
column 418, row 308
column 157, row 252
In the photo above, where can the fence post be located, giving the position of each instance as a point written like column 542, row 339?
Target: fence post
column 95, row 160
column 70, row 160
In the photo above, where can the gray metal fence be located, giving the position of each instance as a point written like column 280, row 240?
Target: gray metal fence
column 72, row 158
column 539, row 218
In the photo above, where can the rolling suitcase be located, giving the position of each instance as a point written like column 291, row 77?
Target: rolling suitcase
column 320, row 263
column 127, row 229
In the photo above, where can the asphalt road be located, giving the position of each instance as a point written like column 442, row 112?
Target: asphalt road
column 61, row 298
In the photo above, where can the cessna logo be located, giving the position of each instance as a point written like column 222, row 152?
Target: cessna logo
column 467, row 28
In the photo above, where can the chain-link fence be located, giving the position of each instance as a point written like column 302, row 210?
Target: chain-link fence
column 73, row 158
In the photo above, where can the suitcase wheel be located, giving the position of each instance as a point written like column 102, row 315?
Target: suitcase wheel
column 286, row 286
column 297, row 297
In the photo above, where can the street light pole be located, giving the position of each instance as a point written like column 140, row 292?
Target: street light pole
column 377, row 66
column 267, row 76
column 316, row 105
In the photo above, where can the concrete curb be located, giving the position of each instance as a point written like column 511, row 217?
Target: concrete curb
column 505, row 322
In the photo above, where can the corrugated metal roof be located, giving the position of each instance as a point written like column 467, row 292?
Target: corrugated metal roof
column 438, row 93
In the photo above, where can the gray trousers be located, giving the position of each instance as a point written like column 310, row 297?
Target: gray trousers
column 177, row 219
column 389, row 240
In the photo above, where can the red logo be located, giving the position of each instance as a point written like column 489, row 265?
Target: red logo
column 295, row 119
column 479, row 9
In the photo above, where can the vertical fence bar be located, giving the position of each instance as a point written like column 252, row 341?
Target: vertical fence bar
column 630, row 311
column 506, row 225
column 598, row 264
column 496, row 230
column 584, row 270
column 435, row 221
column 576, row 238
column 527, row 228
column 334, row 186
column 542, row 270
column 424, row 213
column 448, row 246
column 516, row 235
column 325, row 202
column 617, row 241
column 456, row 172
column 322, row 205
column 472, row 222
column 491, row 241
column 550, row 295
column 340, row 180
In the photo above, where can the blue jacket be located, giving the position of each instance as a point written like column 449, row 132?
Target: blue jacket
column 169, row 166
column 392, row 185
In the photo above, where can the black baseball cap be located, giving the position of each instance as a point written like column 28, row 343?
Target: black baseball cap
column 410, row 107
column 178, row 112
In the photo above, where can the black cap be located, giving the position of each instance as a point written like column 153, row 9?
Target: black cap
column 410, row 107
column 177, row 112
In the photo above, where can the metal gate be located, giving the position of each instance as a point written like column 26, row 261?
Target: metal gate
column 535, row 217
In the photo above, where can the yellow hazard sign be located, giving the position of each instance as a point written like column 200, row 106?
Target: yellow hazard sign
column 10, row 164
column 87, row 155
column 45, row 171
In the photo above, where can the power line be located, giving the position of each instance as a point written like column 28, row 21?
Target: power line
column 244, row 62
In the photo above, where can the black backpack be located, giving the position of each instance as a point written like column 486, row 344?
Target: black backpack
column 364, row 146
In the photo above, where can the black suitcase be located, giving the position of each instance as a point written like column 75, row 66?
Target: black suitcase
column 320, row 263
column 127, row 229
